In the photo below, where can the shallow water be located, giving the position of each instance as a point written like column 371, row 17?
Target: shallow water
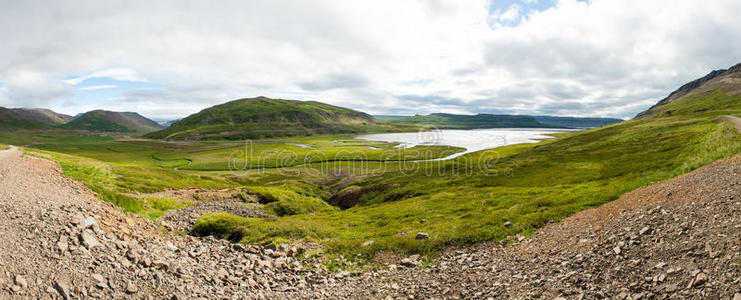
column 473, row 140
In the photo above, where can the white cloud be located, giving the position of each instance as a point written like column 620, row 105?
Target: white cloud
column 605, row 57
column 123, row 74
column 98, row 87
column 511, row 14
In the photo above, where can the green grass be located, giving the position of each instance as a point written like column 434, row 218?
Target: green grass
column 528, row 185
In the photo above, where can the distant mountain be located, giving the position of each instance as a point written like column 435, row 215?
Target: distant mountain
column 576, row 122
column 42, row 115
column 264, row 117
column 717, row 92
column 167, row 123
column 109, row 121
column 453, row 121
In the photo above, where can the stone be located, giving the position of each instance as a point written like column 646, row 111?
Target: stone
column 409, row 262
column 63, row 289
column 508, row 224
column 131, row 288
column 701, row 279
column 20, row 281
column 62, row 244
column 171, row 247
column 89, row 222
column 89, row 240
column 99, row 278
column 617, row 250
column 422, row 236
column 737, row 296
column 367, row 243
column 644, row 230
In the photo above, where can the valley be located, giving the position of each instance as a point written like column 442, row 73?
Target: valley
column 362, row 201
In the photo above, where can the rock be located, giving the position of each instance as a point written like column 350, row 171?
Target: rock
column 422, row 236
column 270, row 247
column 617, row 250
column 98, row 278
column 20, row 281
column 737, row 296
column 89, row 240
column 171, row 247
column 89, row 222
column 62, row 244
column 131, row 288
column 701, row 279
column 508, row 224
column 63, row 289
column 644, row 230
column 410, row 261
column 367, row 243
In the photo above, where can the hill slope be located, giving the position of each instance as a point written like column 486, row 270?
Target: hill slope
column 453, row 121
column 717, row 92
column 42, row 115
column 10, row 119
column 109, row 121
column 264, row 117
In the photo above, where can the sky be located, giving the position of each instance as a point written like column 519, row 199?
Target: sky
column 168, row 59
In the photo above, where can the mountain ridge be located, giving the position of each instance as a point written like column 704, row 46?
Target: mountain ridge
column 484, row 120
column 725, row 82
column 265, row 117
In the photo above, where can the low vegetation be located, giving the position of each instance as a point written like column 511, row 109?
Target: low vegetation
column 387, row 195
column 528, row 186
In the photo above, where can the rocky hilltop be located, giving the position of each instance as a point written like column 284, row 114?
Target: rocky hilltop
column 724, row 81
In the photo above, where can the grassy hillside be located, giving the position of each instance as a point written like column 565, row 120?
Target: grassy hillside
column 264, row 118
column 10, row 119
column 42, row 115
column 108, row 121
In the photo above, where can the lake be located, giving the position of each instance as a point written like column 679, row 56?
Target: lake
column 473, row 140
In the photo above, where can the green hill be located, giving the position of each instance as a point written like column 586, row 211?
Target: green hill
column 109, row 121
column 10, row 119
column 42, row 115
column 264, row 117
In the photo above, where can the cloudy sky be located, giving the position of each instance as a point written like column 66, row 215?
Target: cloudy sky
column 167, row 59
